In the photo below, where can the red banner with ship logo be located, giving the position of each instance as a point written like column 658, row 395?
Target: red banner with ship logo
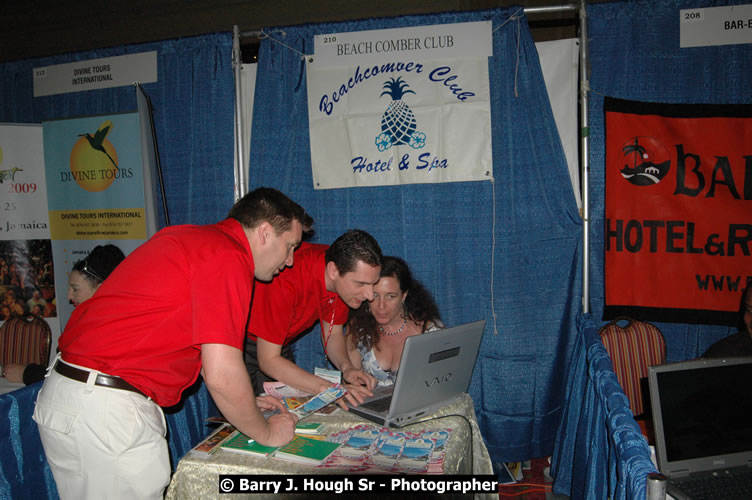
column 678, row 221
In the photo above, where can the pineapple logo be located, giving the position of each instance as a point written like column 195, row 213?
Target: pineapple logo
column 398, row 124
column 93, row 160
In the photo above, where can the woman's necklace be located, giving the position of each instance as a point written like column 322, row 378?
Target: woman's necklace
column 395, row 332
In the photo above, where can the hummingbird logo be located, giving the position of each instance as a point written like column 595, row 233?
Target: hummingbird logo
column 97, row 141
column 94, row 160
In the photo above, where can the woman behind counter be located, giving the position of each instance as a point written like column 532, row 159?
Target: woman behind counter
column 376, row 331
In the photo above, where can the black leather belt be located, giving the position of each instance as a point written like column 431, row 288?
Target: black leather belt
column 102, row 380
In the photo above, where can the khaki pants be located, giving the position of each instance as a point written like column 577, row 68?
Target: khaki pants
column 102, row 442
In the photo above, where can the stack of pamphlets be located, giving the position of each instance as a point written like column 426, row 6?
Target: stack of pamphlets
column 293, row 402
column 304, row 449
column 229, row 439
column 383, row 450
column 309, row 428
column 359, row 441
column 415, row 454
column 388, row 449
column 281, row 391
column 504, row 473
column 212, row 443
column 357, row 447
column 328, row 410
column 303, row 404
column 319, row 401
column 515, row 469
column 436, row 461
column 239, row 443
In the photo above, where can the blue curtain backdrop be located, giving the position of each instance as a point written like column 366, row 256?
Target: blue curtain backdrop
column 635, row 54
column 446, row 231
column 193, row 102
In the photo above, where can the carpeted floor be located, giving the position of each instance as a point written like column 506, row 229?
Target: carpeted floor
column 534, row 485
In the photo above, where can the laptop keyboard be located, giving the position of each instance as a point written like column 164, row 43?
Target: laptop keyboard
column 382, row 404
column 730, row 484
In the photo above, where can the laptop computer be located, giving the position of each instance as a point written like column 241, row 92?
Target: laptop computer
column 702, row 411
column 435, row 368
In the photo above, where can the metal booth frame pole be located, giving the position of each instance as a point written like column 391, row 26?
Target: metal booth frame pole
column 584, row 88
column 585, row 156
column 241, row 184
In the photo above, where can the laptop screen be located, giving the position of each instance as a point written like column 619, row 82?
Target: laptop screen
column 702, row 411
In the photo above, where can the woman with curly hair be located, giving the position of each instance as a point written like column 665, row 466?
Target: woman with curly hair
column 376, row 331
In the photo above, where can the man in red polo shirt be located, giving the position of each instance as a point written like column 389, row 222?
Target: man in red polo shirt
column 176, row 306
column 322, row 284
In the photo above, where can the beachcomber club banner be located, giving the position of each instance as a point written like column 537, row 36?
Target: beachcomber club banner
column 678, row 222
column 95, row 189
column 400, row 106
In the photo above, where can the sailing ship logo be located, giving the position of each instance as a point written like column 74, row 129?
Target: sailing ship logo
column 648, row 161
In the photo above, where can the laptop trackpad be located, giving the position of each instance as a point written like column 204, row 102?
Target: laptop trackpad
column 379, row 405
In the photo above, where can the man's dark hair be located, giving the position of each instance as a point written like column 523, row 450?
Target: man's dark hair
column 267, row 204
column 351, row 247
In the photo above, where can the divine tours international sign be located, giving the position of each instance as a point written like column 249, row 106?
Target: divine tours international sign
column 94, row 74
column 95, row 189
column 400, row 106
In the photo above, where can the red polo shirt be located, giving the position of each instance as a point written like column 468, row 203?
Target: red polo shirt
column 294, row 300
column 186, row 286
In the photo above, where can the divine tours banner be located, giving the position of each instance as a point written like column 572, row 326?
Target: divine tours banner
column 95, row 189
column 678, row 221
column 26, row 267
column 400, row 106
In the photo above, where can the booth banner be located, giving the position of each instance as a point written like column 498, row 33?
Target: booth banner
column 401, row 118
column 94, row 74
column 678, row 222
column 26, row 267
column 23, row 214
column 95, row 189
